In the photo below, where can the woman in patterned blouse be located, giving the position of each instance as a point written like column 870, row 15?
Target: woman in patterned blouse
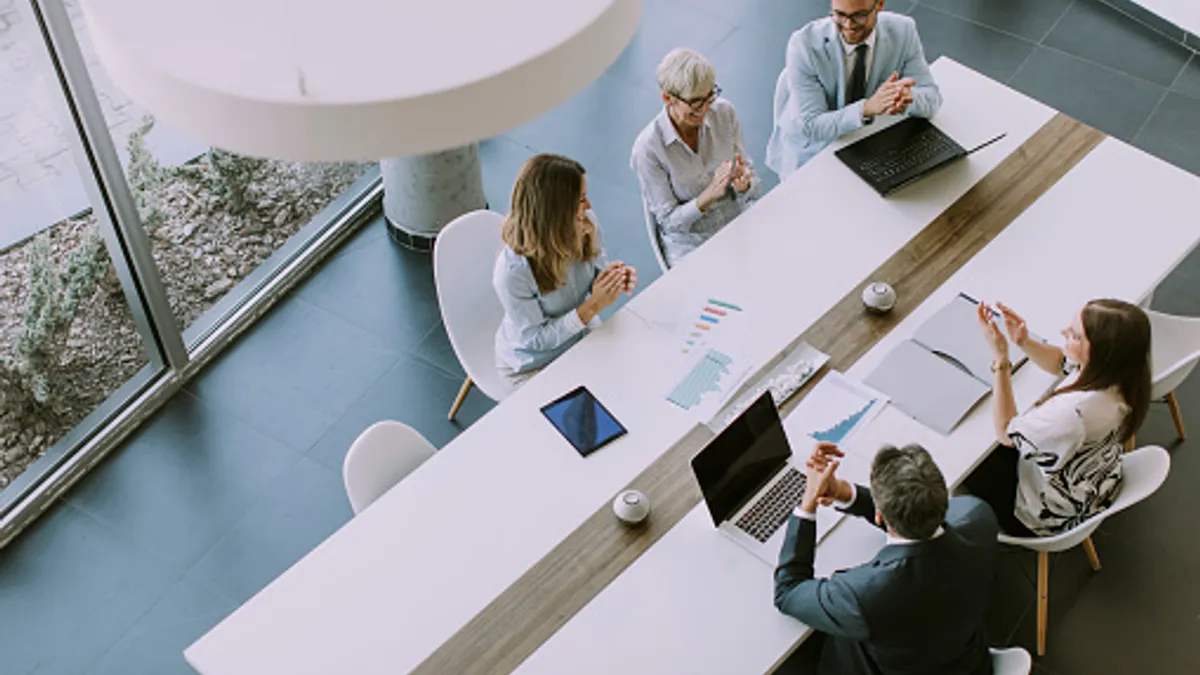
column 1059, row 463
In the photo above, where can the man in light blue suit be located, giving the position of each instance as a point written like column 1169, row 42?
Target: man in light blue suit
column 841, row 73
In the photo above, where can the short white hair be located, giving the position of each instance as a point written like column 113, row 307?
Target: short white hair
column 686, row 74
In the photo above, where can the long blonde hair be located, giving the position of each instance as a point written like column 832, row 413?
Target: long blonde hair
column 541, row 224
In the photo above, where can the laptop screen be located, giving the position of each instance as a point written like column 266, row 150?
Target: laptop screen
column 741, row 459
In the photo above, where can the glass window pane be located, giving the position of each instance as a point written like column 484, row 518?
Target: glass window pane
column 67, row 337
column 213, row 217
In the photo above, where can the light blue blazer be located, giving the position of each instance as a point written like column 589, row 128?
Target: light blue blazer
column 810, row 95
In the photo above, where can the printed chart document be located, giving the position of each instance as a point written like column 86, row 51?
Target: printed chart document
column 710, row 368
column 836, row 409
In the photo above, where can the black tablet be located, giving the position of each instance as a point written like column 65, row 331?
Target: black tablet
column 581, row 419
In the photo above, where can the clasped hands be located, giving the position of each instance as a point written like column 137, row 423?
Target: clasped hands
column 822, row 484
column 733, row 173
column 892, row 98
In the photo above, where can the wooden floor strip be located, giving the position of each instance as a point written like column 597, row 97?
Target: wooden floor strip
column 517, row 622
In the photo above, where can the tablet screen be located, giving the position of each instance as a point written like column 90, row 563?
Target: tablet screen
column 581, row 419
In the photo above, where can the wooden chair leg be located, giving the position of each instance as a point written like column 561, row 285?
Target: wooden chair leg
column 1043, row 603
column 462, row 396
column 1131, row 443
column 1090, row 547
column 1176, row 416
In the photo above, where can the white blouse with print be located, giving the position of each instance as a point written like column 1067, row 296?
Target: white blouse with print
column 1070, row 458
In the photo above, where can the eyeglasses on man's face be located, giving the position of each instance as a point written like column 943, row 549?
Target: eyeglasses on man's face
column 698, row 104
column 856, row 18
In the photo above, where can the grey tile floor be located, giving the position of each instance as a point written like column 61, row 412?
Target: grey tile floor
column 238, row 476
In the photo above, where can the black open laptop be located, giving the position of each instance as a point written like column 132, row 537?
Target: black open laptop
column 902, row 153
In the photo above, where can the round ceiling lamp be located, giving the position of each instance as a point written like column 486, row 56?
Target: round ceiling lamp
column 338, row 80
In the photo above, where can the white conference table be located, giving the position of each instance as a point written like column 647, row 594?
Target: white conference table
column 696, row 603
column 392, row 585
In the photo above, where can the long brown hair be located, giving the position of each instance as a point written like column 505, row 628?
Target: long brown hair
column 1118, row 334
column 541, row 223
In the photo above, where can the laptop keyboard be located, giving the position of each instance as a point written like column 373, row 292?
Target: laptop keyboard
column 772, row 508
column 927, row 145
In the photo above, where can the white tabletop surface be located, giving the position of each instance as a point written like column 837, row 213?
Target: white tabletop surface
column 355, row 79
column 697, row 603
column 386, row 590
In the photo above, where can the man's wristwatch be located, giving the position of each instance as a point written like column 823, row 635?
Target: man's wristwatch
column 1001, row 364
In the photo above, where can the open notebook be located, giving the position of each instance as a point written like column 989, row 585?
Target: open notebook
column 940, row 373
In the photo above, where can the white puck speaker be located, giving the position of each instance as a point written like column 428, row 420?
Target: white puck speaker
column 879, row 297
column 631, row 506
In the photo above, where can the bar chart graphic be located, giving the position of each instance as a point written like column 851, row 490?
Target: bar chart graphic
column 836, row 408
column 838, row 432
column 705, row 378
column 701, row 327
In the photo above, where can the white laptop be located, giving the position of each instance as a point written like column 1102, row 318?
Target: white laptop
column 751, row 481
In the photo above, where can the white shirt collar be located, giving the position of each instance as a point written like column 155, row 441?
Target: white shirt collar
column 670, row 134
column 869, row 42
column 900, row 541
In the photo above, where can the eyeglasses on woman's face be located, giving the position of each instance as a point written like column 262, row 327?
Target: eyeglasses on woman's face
column 698, row 104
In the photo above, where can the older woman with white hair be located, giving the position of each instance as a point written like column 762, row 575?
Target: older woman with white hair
column 691, row 160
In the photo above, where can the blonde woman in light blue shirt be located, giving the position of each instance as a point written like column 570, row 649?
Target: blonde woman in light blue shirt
column 552, row 276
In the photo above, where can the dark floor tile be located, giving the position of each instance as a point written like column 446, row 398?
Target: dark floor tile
column 1011, row 597
column 1099, row 33
column 1135, row 10
column 1153, row 525
column 415, row 393
column 70, row 587
column 597, row 127
column 297, row 512
column 1113, row 103
column 1173, row 132
column 296, row 371
column 1188, row 82
column 986, row 50
column 384, row 289
column 665, row 25
column 1137, row 615
column 435, row 348
column 776, row 20
column 1028, row 19
column 183, row 480
column 732, row 13
column 501, row 158
column 155, row 644
column 1177, row 293
column 748, row 64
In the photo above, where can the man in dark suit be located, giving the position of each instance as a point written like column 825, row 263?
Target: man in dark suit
column 917, row 608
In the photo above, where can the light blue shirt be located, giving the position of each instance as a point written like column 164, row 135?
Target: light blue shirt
column 672, row 176
column 810, row 95
column 539, row 326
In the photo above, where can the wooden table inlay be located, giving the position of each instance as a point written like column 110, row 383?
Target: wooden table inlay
column 527, row 613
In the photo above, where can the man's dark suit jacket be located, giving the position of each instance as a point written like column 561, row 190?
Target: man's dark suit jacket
column 916, row 609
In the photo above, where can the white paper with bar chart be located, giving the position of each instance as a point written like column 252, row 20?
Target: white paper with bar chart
column 712, row 366
column 836, row 409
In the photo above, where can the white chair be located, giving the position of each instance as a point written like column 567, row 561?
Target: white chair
column 379, row 458
column 463, row 257
column 1144, row 469
column 655, row 239
column 1011, row 661
column 1174, row 352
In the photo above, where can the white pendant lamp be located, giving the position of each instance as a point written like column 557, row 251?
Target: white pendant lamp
column 340, row 80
